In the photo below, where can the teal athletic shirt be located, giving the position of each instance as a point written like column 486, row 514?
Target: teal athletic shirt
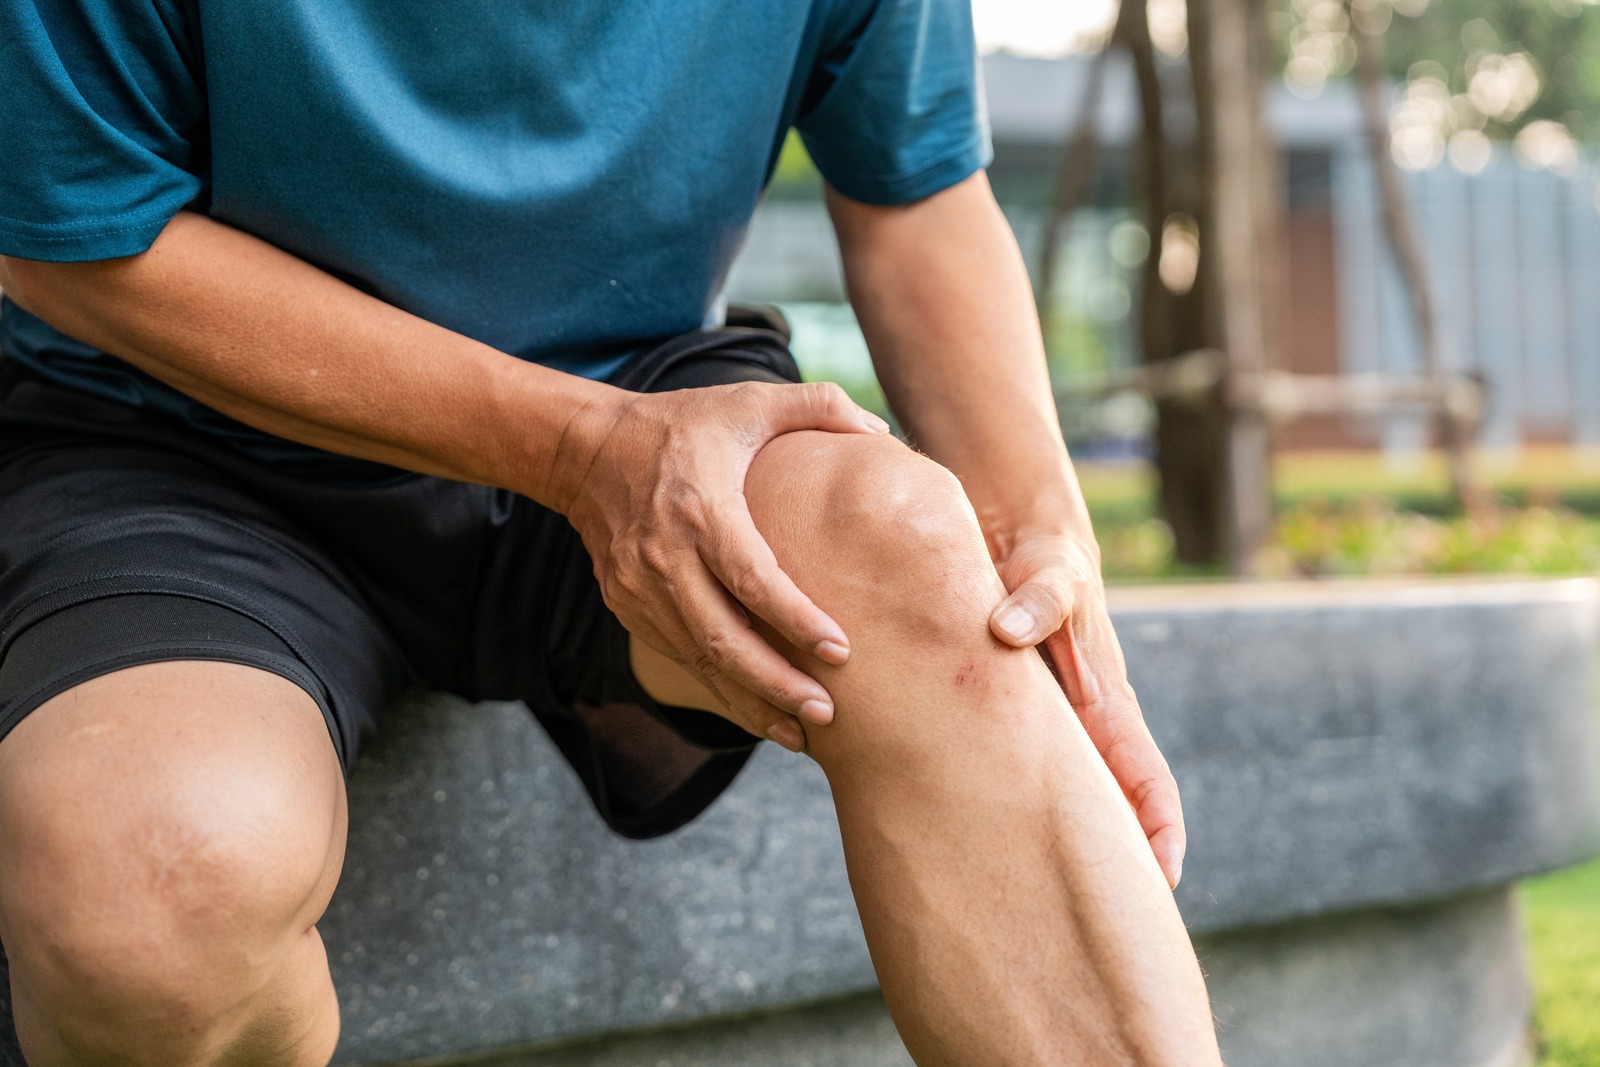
column 565, row 180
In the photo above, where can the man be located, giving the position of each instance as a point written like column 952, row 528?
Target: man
column 334, row 325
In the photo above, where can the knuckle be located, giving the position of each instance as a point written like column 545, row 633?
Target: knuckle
column 748, row 394
column 1113, row 750
column 1056, row 590
column 655, row 557
column 782, row 694
column 828, row 395
column 756, row 711
column 774, row 691
column 719, row 645
column 703, row 665
column 748, row 582
column 1154, row 785
column 624, row 581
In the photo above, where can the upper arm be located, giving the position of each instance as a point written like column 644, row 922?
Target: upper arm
column 875, row 229
column 895, row 111
column 103, row 127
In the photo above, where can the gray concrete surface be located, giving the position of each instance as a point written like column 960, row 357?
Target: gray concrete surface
column 853, row 1032
column 1435, row 985
column 1343, row 746
column 1461, row 1003
column 1344, row 751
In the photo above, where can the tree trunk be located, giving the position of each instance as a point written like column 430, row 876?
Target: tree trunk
column 1400, row 230
column 1191, row 433
column 1230, row 85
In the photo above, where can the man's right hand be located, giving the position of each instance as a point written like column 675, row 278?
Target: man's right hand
column 654, row 483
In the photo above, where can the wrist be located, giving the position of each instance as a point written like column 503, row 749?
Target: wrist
column 1042, row 518
column 552, row 426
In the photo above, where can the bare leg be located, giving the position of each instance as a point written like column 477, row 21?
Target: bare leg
column 172, row 833
column 1013, row 909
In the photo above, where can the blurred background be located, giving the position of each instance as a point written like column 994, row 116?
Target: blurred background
column 1486, row 110
column 1330, row 310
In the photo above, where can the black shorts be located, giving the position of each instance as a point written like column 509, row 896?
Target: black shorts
column 128, row 537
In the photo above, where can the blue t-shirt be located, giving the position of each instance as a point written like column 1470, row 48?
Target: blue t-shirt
column 566, row 180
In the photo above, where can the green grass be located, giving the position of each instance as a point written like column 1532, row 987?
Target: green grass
column 1562, row 915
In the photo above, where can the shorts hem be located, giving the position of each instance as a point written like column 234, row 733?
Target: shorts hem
column 214, row 652
column 50, row 600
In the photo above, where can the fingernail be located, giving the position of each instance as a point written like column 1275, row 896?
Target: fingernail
column 817, row 711
column 873, row 423
column 832, row 652
column 788, row 735
column 1177, row 874
column 1016, row 622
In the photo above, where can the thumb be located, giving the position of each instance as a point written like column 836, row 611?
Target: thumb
column 823, row 406
column 1035, row 610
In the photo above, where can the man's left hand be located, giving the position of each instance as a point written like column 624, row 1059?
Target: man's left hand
column 1057, row 599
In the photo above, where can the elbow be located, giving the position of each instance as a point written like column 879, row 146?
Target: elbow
column 54, row 292
column 20, row 281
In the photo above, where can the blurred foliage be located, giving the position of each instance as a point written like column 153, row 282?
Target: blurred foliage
column 1347, row 514
column 1473, row 71
column 795, row 174
column 1562, row 915
column 1077, row 346
column 1373, row 537
column 1453, row 37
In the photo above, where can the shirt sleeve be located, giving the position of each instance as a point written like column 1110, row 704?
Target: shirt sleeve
column 102, row 111
column 899, row 111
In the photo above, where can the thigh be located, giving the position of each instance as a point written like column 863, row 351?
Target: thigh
column 116, row 553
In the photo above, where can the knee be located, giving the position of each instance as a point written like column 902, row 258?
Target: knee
column 873, row 515
column 141, row 929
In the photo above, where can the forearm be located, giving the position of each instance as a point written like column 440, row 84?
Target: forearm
column 280, row 345
column 943, row 298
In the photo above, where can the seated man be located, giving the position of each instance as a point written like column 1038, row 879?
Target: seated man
column 355, row 344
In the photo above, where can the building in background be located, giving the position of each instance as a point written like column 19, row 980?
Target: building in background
column 1513, row 249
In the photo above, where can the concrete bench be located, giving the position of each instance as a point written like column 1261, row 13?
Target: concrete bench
column 1366, row 770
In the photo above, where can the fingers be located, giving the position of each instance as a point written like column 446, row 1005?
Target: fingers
column 1153, row 793
column 1035, row 609
column 744, row 708
column 1169, row 842
column 817, row 406
column 744, row 564
column 1088, row 661
column 1111, row 717
column 725, row 645
column 663, row 514
column 1080, row 680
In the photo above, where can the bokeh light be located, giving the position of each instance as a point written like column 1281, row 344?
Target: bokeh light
column 1180, row 253
column 1548, row 145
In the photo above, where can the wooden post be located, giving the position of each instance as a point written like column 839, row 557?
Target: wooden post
column 1191, row 433
column 1229, row 66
